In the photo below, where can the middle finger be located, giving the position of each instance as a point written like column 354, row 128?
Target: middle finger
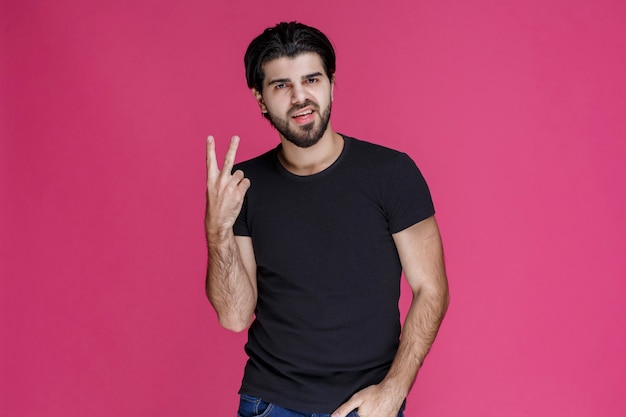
column 229, row 159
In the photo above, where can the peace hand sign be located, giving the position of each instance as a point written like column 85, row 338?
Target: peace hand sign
column 225, row 191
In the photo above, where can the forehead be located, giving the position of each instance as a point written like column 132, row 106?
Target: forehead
column 293, row 67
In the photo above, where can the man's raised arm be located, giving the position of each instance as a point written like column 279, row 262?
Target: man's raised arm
column 231, row 273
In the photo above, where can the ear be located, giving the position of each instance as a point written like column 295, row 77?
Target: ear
column 332, row 89
column 259, row 99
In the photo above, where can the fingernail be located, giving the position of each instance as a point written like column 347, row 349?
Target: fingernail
column 209, row 139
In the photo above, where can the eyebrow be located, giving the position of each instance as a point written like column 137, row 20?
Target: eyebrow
column 288, row 80
column 312, row 75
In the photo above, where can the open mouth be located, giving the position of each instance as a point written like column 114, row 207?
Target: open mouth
column 303, row 117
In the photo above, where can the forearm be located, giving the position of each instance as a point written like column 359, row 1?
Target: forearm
column 418, row 334
column 229, row 287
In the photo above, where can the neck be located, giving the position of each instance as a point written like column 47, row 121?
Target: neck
column 314, row 159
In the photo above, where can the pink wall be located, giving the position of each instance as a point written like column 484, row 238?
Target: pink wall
column 515, row 111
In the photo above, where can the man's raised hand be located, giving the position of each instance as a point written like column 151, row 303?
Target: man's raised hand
column 225, row 191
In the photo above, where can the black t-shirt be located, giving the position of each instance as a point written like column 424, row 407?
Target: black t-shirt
column 327, row 320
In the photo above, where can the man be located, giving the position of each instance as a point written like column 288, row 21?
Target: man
column 307, row 248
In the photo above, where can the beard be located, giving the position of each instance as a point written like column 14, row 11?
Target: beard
column 303, row 136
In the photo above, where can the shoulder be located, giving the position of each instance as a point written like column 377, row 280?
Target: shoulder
column 370, row 148
column 376, row 157
column 262, row 163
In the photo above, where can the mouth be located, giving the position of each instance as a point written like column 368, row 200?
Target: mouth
column 303, row 116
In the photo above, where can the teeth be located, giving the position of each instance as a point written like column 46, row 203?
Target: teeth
column 303, row 113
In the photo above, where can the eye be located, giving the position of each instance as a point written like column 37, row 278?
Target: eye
column 280, row 86
column 311, row 80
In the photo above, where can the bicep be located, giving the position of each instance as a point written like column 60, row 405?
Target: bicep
column 421, row 254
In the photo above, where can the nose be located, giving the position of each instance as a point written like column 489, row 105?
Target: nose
column 298, row 94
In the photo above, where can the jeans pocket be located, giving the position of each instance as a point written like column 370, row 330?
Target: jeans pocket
column 253, row 407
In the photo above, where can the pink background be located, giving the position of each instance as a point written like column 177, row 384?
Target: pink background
column 515, row 112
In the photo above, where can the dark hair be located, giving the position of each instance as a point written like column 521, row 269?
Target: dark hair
column 286, row 40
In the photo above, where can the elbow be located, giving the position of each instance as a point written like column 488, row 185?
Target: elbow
column 233, row 324
column 445, row 301
column 437, row 298
column 228, row 319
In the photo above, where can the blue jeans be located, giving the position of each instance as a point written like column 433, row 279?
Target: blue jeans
column 256, row 407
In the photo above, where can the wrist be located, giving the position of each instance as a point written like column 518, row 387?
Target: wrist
column 396, row 387
column 218, row 235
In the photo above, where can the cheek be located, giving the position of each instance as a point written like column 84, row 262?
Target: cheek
column 278, row 105
column 324, row 100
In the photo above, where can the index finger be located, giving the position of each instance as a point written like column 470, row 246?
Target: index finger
column 229, row 159
column 346, row 408
column 211, row 162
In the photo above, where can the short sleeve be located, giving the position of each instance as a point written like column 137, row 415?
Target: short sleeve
column 240, row 227
column 408, row 199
